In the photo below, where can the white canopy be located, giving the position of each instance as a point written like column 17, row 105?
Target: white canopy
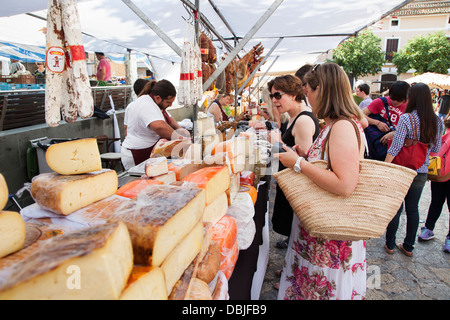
column 308, row 28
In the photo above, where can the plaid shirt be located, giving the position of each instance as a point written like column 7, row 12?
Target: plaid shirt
column 405, row 131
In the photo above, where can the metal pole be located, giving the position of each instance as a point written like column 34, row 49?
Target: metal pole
column 242, row 43
column 153, row 26
column 197, row 35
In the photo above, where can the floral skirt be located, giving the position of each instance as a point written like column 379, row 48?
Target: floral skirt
column 319, row 269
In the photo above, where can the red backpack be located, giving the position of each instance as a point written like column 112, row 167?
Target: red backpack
column 443, row 153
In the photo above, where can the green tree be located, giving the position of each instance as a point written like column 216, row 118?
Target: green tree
column 428, row 53
column 360, row 55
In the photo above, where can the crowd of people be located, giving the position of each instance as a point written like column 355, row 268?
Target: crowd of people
column 315, row 100
column 327, row 269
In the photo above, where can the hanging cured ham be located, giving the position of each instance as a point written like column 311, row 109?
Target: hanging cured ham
column 68, row 91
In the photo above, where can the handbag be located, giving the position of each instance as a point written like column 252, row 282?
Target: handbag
column 413, row 153
column 376, row 149
column 363, row 215
column 434, row 168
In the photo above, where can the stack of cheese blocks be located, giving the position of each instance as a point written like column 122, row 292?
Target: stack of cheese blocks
column 150, row 247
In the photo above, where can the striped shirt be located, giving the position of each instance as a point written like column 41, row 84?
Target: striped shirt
column 405, row 131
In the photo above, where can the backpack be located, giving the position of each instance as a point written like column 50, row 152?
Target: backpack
column 443, row 174
column 377, row 150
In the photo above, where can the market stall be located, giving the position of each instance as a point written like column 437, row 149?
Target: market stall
column 193, row 211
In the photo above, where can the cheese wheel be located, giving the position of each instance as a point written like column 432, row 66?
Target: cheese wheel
column 170, row 148
column 199, row 290
column 160, row 219
column 224, row 233
column 12, row 232
column 92, row 263
column 132, row 189
column 228, row 260
column 247, row 177
column 215, row 181
column 209, row 266
column 251, row 190
column 3, row 192
column 74, row 157
column 64, row 194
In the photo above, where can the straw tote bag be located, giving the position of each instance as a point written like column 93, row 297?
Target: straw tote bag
column 363, row 215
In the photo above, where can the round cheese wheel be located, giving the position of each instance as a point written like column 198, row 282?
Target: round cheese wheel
column 210, row 264
column 132, row 189
column 251, row 190
column 228, row 261
column 224, row 232
column 3, row 192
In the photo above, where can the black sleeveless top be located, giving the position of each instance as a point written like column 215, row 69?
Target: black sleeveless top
column 282, row 211
column 289, row 139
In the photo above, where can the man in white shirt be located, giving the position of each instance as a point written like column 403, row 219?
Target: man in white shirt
column 148, row 121
column 363, row 91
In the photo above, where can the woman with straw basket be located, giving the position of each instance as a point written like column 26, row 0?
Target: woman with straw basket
column 317, row 268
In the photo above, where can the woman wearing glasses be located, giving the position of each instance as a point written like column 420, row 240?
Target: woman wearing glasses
column 287, row 96
column 316, row 268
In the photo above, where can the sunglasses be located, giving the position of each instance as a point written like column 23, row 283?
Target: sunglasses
column 277, row 95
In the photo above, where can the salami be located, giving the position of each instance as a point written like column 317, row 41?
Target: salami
column 79, row 88
column 68, row 92
column 55, row 64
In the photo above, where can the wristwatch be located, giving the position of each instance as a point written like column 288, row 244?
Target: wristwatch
column 297, row 167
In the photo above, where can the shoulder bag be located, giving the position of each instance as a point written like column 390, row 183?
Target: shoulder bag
column 363, row 215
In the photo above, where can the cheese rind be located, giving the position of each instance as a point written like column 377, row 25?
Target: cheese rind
column 145, row 283
column 92, row 263
column 64, row 194
column 159, row 220
column 12, row 232
column 3, row 192
column 215, row 180
column 74, row 157
column 182, row 256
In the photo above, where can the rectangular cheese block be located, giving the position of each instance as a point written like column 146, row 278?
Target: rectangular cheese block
column 183, row 167
column 133, row 188
column 209, row 142
column 159, row 218
column 64, row 194
column 12, row 232
column 166, row 178
column 216, row 210
column 145, row 283
column 170, row 148
column 235, row 164
column 194, row 153
column 88, row 264
column 182, row 256
column 156, row 166
column 205, row 126
column 214, row 180
column 74, row 157
column 234, row 146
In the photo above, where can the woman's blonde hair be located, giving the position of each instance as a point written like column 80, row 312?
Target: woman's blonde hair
column 335, row 96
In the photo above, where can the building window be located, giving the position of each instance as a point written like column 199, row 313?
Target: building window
column 391, row 47
column 386, row 81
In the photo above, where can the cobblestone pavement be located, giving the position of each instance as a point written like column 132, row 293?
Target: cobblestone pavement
column 425, row 276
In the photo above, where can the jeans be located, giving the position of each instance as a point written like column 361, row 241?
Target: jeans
column 440, row 191
column 412, row 215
